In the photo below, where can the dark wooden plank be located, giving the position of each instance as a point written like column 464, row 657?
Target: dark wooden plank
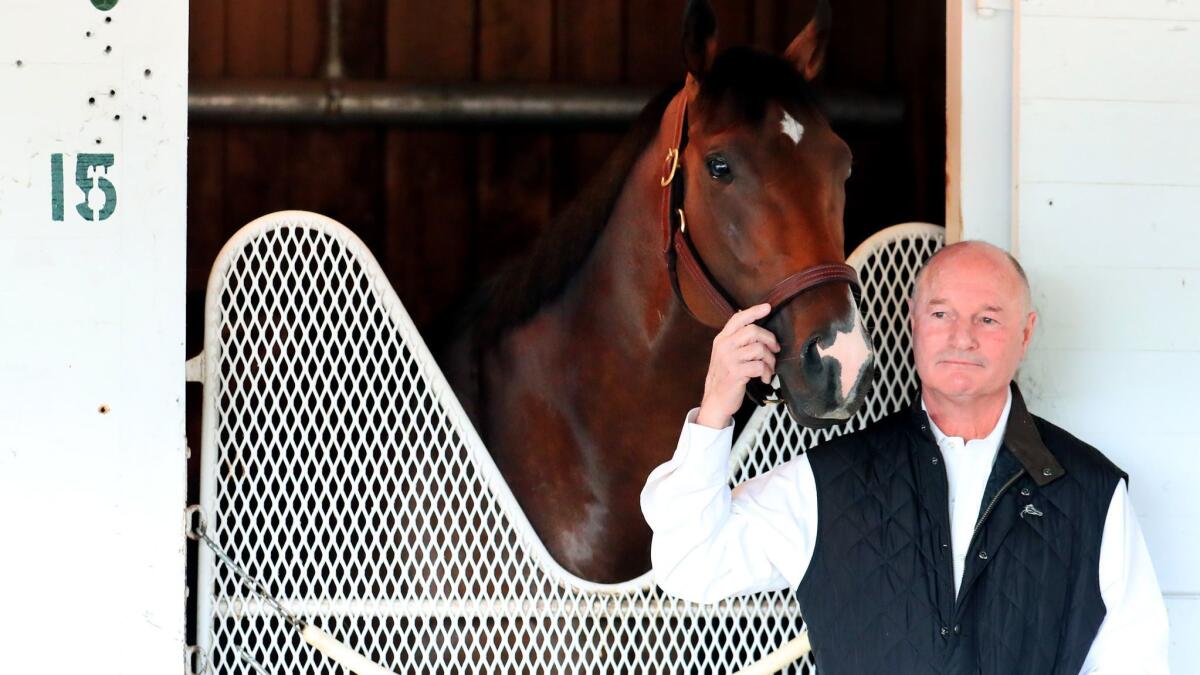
column 776, row 22
column 206, row 38
column 205, row 207
column 306, row 39
column 515, row 40
column 653, row 35
column 429, row 176
column 256, row 42
column 431, row 206
column 255, row 174
column 206, row 156
column 429, row 42
column 589, row 40
column 919, row 62
column 734, row 22
column 515, row 44
column 364, row 33
column 255, row 177
column 589, row 43
column 859, row 47
column 764, row 21
column 338, row 172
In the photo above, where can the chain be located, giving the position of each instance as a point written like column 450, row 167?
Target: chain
column 249, row 661
column 199, row 532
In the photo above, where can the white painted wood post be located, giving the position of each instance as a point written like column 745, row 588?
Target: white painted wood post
column 979, row 120
column 92, row 241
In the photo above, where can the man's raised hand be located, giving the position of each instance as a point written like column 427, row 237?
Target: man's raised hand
column 741, row 351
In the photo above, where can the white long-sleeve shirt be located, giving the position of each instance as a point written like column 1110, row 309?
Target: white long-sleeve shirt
column 711, row 543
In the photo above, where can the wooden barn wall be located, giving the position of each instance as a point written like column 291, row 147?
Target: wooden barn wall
column 441, row 209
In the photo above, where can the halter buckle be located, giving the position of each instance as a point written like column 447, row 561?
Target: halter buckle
column 671, row 159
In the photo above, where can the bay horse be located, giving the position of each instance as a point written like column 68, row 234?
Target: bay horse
column 578, row 363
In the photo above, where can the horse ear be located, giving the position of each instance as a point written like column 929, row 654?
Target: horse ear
column 699, row 38
column 807, row 51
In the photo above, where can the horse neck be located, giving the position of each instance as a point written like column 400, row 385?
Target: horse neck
column 626, row 279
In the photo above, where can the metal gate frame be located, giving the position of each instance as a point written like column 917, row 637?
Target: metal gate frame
column 590, row 621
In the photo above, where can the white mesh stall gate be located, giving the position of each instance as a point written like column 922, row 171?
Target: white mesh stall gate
column 339, row 468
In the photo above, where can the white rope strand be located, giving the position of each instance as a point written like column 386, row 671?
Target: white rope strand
column 788, row 653
column 341, row 653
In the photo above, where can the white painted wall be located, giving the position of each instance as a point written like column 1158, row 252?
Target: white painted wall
column 1108, row 226
column 979, row 120
column 92, row 459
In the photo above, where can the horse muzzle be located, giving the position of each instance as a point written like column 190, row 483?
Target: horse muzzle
column 825, row 378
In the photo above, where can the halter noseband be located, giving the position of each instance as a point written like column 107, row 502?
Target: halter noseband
column 682, row 256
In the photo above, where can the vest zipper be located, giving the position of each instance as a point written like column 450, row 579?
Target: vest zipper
column 958, row 597
column 988, row 511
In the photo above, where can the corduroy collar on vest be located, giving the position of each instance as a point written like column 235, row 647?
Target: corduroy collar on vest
column 1021, row 437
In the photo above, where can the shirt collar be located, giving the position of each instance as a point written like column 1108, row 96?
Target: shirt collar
column 1021, row 437
column 990, row 442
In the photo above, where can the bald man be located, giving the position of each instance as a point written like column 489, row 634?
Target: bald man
column 960, row 535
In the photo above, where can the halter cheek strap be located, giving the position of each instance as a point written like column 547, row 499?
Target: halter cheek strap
column 683, row 259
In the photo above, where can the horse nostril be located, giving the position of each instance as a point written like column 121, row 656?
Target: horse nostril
column 809, row 353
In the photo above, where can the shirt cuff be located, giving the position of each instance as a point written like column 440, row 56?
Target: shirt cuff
column 704, row 451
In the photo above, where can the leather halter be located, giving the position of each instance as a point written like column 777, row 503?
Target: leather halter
column 682, row 256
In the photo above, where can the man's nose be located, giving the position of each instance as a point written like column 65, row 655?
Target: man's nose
column 962, row 336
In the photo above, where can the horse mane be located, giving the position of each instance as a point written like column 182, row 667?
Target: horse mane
column 522, row 287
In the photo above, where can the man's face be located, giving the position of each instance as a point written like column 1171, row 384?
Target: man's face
column 971, row 324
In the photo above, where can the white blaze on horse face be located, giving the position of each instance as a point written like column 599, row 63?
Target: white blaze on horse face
column 791, row 128
column 852, row 351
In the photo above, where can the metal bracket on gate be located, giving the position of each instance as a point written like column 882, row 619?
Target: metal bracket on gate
column 194, row 522
column 194, row 368
column 988, row 8
column 195, row 661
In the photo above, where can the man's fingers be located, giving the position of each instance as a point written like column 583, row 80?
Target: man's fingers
column 752, row 334
column 757, row 351
column 756, row 369
column 756, row 361
column 745, row 317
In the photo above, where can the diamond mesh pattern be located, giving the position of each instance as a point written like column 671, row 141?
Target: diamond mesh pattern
column 887, row 265
column 339, row 468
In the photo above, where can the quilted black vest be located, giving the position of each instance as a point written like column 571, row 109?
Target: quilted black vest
column 878, row 596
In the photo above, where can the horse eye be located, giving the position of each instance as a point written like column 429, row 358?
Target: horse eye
column 718, row 168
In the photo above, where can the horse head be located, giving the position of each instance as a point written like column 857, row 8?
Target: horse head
column 763, row 178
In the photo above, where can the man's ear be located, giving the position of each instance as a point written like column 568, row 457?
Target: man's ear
column 1027, row 331
column 699, row 38
column 807, row 51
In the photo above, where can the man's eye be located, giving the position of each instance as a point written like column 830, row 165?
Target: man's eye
column 988, row 320
column 938, row 315
column 718, row 168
